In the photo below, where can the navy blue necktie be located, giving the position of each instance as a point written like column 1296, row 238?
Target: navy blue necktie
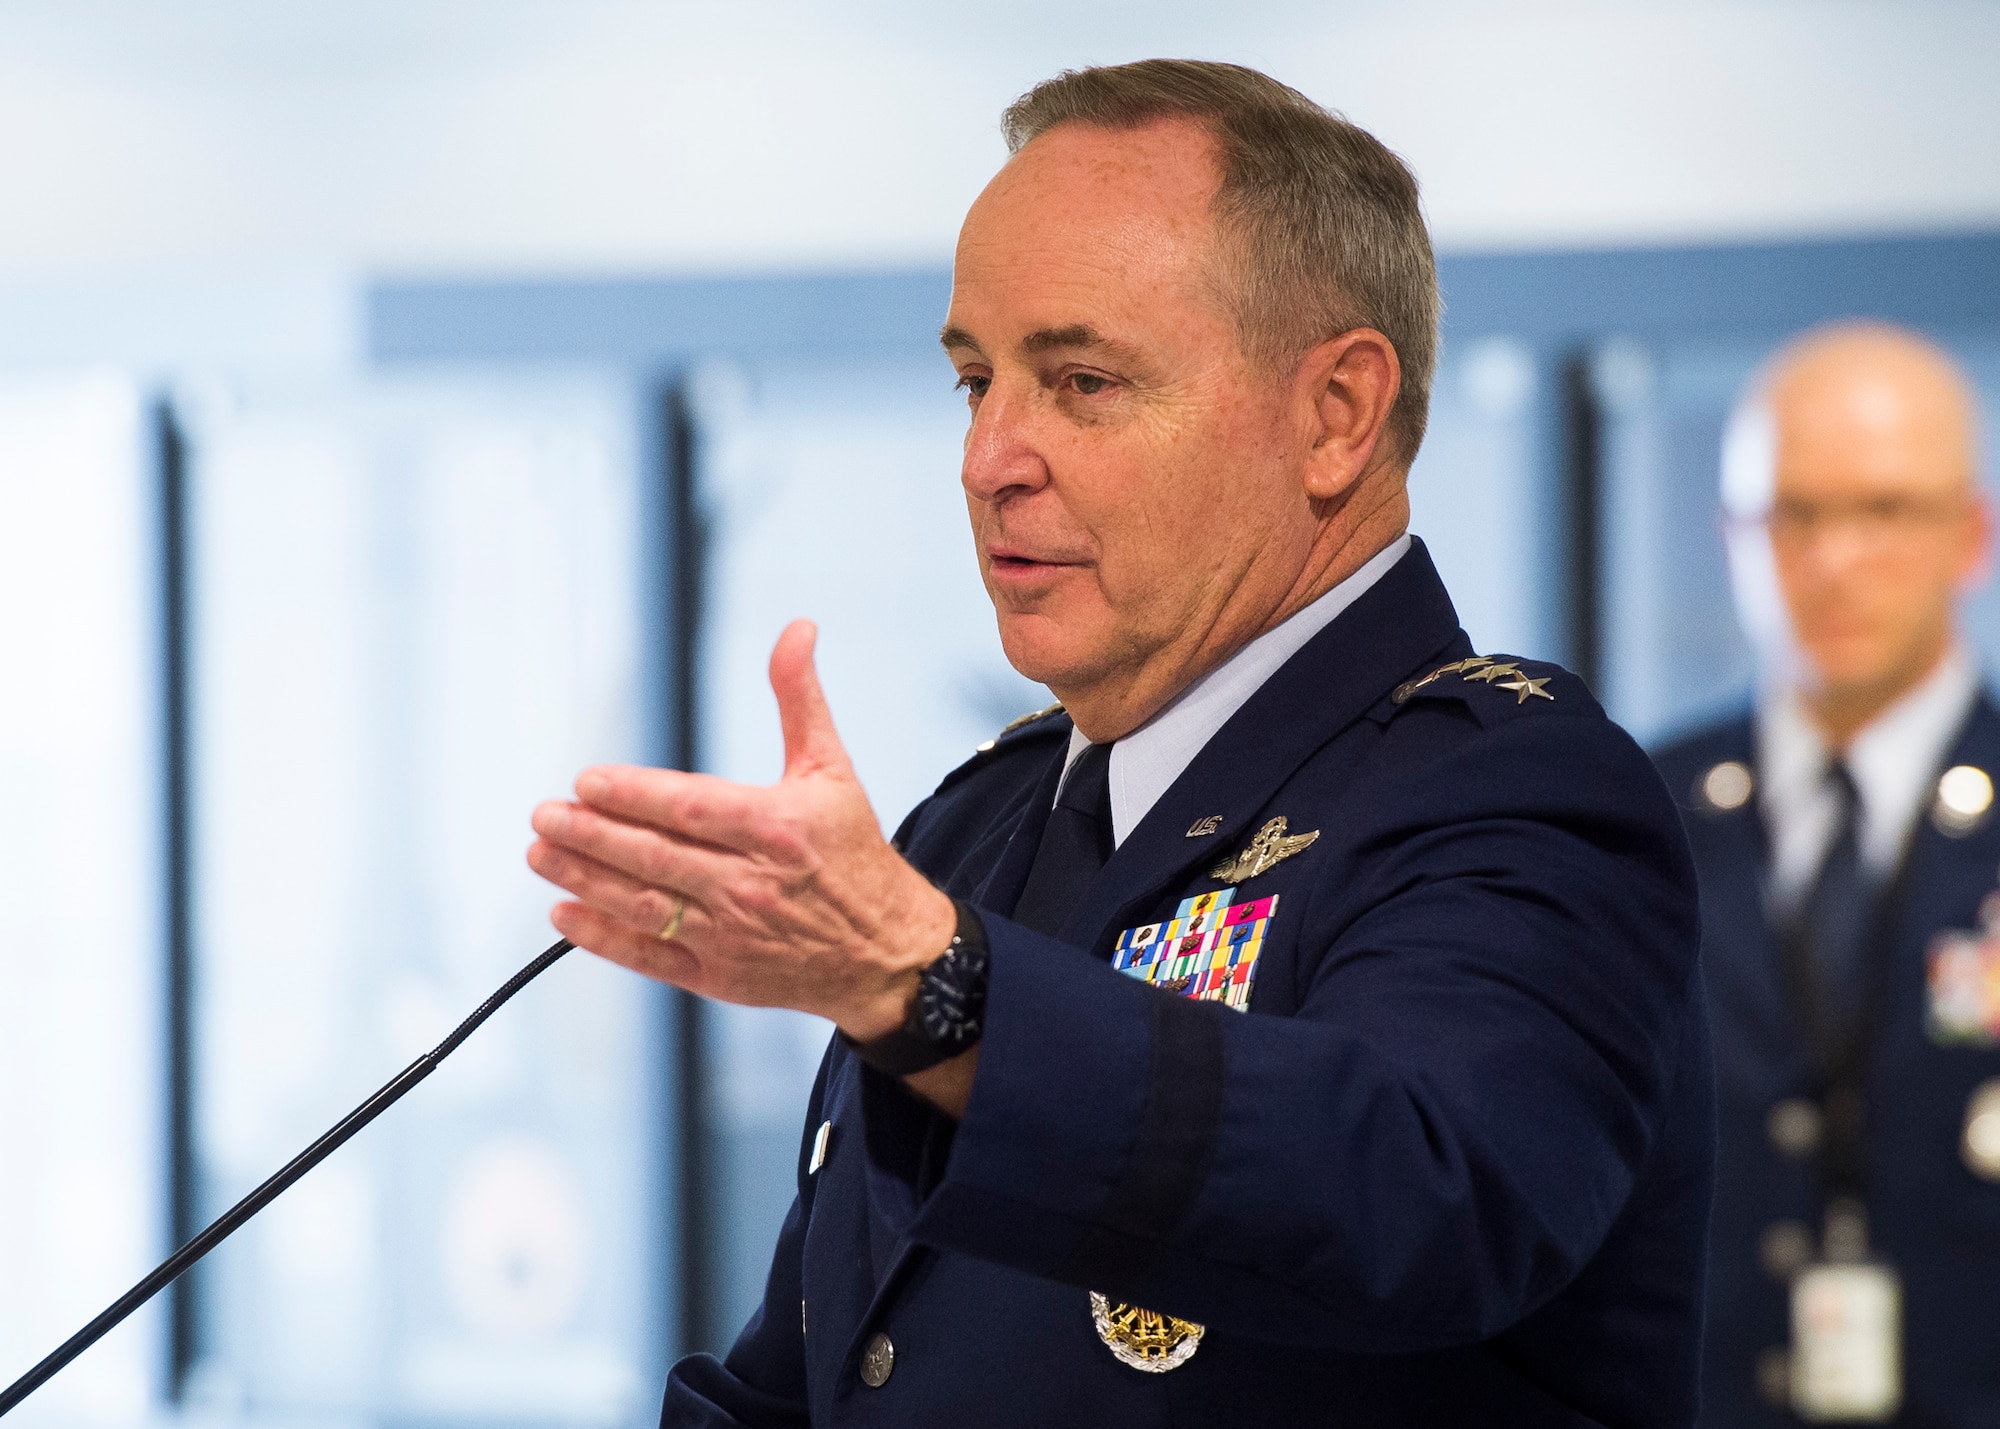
column 1076, row 843
column 1837, row 916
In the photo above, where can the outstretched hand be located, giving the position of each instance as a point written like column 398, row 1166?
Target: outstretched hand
column 778, row 896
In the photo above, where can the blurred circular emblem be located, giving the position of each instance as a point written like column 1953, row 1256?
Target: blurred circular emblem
column 1980, row 1144
column 1727, row 786
column 1964, row 794
column 1144, row 1339
column 516, row 1238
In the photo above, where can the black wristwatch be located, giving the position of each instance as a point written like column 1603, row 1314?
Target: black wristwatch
column 950, row 1009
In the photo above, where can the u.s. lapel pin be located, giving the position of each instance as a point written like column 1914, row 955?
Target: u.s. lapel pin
column 1271, row 846
column 1202, row 828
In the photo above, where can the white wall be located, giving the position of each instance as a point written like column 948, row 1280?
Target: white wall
column 450, row 135
column 80, row 891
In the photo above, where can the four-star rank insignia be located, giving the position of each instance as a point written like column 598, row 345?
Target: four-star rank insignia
column 1271, row 846
column 1503, row 674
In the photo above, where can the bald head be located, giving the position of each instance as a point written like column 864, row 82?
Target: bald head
column 1873, row 409
column 1865, row 472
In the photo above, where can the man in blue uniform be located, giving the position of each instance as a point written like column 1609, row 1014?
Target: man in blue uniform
column 1301, row 1024
column 1847, row 853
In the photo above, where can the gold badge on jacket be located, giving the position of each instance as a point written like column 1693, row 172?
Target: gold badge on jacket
column 1144, row 1339
column 1271, row 846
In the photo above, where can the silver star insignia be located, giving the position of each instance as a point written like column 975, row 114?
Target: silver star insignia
column 1528, row 687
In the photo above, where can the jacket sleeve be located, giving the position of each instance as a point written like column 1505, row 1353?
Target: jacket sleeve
column 761, row 1383
column 1496, row 983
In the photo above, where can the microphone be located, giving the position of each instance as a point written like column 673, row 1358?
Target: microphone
column 233, row 1219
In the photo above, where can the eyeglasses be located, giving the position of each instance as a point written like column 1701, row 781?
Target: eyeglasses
column 1875, row 521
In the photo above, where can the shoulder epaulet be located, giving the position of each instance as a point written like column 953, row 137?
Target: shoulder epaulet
column 1023, row 722
column 1495, row 672
column 1018, row 733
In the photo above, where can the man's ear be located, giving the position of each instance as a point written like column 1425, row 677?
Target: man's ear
column 1976, row 559
column 1345, row 389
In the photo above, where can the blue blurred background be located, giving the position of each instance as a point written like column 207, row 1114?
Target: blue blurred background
column 403, row 405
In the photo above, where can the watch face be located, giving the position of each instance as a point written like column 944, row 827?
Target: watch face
column 951, row 999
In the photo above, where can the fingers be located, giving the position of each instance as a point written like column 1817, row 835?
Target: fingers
column 811, row 741
column 683, row 806
column 641, row 907
column 610, row 939
column 641, row 852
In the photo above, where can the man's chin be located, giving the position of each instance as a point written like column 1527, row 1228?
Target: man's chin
column 1862, row 673
column 1051, row 652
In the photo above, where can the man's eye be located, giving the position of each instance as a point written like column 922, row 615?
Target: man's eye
column 974, row 386
column 1089, row 384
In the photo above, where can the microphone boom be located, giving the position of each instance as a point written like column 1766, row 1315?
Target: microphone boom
column 230, row 1221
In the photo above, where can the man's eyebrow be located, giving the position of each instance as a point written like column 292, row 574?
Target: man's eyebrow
column 1052, row 339
column 1049, row 339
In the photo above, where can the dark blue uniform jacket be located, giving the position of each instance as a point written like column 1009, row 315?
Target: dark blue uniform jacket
column 1930, row 1216
column 1452, row 1168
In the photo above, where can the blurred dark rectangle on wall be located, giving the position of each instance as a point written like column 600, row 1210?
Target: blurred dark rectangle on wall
column 1943, row 281
column 654, row 323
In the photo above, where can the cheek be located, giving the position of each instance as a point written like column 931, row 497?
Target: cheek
column 1181, row 487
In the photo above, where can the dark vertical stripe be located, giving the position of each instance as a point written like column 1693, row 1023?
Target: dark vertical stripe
column 1583, row 517
column 1173, row 1146
column 183, row 1183
column 684, row 541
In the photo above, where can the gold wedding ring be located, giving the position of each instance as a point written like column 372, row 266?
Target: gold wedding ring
column 674, row 923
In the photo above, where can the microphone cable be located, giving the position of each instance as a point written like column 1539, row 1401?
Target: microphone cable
column 232, row 1220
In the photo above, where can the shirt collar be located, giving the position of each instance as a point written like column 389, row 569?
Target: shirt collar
column 1146, row 762
column 1893, row 761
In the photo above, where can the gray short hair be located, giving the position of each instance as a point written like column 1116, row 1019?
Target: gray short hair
column 1328, row 230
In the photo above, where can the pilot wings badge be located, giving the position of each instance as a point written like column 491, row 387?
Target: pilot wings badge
column 1271, row 846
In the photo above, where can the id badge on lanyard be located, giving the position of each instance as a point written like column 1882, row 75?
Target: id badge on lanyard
column 1847, row 1333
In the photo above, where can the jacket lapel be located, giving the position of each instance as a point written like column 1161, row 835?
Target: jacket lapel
column 1001, row 889
column 1738, row 840
column 1941, row 867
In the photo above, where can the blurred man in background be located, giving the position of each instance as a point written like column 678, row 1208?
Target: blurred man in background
column 1844, row 835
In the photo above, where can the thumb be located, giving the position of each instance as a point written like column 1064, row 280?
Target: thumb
column 811, row 743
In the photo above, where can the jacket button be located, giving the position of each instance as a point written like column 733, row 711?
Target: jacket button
column 1727, row 786
column 877, row 1361
column 1785, row 1248
column 1794, row 1126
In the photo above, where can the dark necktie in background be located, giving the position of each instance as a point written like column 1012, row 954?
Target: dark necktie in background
column 1076, row 844
column 1838, row 915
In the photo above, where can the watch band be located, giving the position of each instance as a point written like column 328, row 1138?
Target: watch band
column 912, row 1047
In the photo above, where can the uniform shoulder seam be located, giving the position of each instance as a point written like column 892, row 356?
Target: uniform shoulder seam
column 1019, row 733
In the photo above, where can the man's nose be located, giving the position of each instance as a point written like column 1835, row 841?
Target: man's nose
column 1002, row 457
column 1843, row 549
